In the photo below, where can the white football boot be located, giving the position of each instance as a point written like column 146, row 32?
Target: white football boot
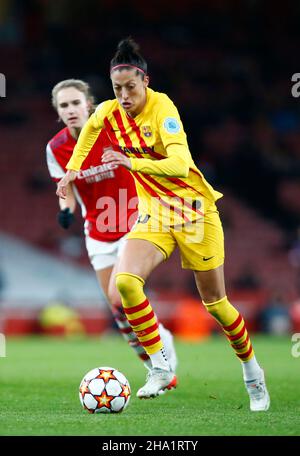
column 157, row 380
column 168, row 341
column 258, row 394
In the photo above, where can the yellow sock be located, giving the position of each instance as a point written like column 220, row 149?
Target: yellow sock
column 233, row 326
column 138, row 311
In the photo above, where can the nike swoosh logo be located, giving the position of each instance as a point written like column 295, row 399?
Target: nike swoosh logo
column 206, row 259
column 143, row 220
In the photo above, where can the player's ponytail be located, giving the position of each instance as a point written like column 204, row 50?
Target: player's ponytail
column 128, row 56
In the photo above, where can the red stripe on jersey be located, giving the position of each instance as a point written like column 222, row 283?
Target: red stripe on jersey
column 234, row 324
column 151, row 341
column 142, row 141
column 182, row 184
column 166, row 190
column 139, row 321
column 137, row 154
column 137, row 308
column 115, row 140
column 170, row 193
column 118, row 117
column 111, row 134
column 156, row 195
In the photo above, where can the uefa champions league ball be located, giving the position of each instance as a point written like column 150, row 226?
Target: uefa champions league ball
column 104, row 390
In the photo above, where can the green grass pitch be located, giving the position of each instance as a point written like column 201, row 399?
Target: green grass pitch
column 40, row 378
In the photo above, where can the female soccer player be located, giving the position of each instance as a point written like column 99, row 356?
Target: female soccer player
column 107, row 196
column 177, row 208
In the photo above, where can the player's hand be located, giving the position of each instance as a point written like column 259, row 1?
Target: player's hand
column 64, row 182
column 65, row 218
column 116, row 159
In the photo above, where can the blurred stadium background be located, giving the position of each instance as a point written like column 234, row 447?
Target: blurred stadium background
column 228, row 66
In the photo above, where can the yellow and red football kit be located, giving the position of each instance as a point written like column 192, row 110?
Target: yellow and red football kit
column 176, row 207
column 176, row 203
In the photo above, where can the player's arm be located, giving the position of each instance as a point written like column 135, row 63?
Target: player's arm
column 86, row 140
column 69, row 201
column 67, row 206
column 175, row 165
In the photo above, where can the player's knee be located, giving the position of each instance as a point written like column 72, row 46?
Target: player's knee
column 124, row 284
column 210, row 295
column 128, row 284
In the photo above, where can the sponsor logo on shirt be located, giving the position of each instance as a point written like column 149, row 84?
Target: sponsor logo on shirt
column 137, row 150
column 96, row 173
column 143, row 218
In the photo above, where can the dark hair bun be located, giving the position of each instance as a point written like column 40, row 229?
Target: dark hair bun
column 128, row 54
column 128, row 46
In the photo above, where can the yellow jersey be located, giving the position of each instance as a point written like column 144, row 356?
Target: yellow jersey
column 170, row 187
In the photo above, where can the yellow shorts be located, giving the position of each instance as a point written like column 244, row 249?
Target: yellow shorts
column 201, row 243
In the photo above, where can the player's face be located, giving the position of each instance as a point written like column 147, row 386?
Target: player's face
column 130, row 90
column 72, row 107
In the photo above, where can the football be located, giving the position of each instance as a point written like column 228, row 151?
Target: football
column 104, row 390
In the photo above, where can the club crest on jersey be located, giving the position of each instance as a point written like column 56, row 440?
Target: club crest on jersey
column 146, row 130
column 171, row 125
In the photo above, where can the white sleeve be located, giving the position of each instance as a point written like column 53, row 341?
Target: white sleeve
column 55, row 170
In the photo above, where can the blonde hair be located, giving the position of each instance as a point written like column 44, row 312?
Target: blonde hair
column 77, row 84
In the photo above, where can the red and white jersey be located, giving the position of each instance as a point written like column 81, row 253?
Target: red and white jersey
column 107, row 196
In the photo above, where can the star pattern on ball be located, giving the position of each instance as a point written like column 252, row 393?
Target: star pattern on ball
column 104, row 390
column 84, row 388
column 125, row 391
column 106, row 375
column 104, row 400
